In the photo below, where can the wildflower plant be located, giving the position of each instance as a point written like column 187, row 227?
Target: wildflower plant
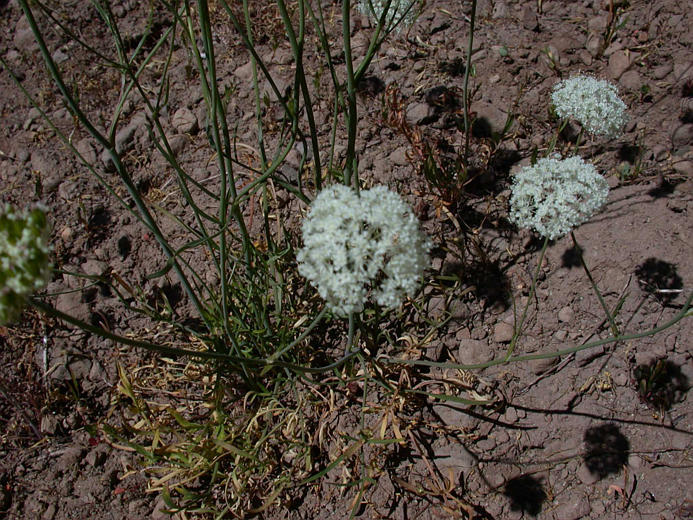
column 357, row 247
column 594, row 103
column 554, row 196
column 24, row 258
column 360, row 245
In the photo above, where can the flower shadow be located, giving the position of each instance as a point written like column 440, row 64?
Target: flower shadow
column 659, row 278
column 526, row 494
column 606, row 450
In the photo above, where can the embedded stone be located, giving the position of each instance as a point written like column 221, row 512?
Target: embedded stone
column 184, row 121
column 619, row 62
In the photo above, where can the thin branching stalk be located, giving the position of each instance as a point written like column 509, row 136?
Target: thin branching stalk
column 235, row 361
column 256, row 89
column 351, row 167
column 685, row 312
column 297, row 41
column 609, row 316
column 519, row 324
column 465, row 91
column 119, row 166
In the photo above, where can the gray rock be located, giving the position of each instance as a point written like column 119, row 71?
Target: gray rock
column 124, row 138
column 419, row 114
column 576, row 507
column 683, row 70
column 540, row 366
column 473, row 351
column 503, row 332
column 454, row 455
column 67, row 189
column 399, row 156
column 283, row 86
column 500, row 10
column 631, row 80
column 107, row 161
column 585, row 475
column 566, row 315
column 682, row 136
column 43, row 163
column 49, row 424
column 69, row 459
column 510, row 415
column 560, row 335
column 60, row 57
column 594, row 44
column 598, row 24
column 585, row 357
column 24, row 40
column 619, row 62
column 97, row 456
column 93, row 267
column 184, row 121
column 529, row 19
column 33, row 115
column 489, row 118
column 662, row 71
column 71, row 303
column 178, row 144
column 86, row 150
column 684, row 168
column 22, row 155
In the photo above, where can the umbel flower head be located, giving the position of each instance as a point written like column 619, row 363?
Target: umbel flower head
column 554, row 196
column 24, row 258
column 594, row 103
column 356, row 246
column 400, row 12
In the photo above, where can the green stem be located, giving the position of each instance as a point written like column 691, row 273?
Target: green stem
column 301, row 337
column 351, row 167
column 465, row 92
column 554, row 140
column 256, row 89
column 350, row 337
column 577, row 141
column 517, row 333
column 609, row 316
column 684, row 313
column 171, row 351
column 120, row 168
column 296, row 42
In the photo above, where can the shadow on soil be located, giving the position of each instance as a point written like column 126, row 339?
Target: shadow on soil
column 571, row 257
column 606, row 450
column 526, row 494
column 659, row 278
column 660, row 383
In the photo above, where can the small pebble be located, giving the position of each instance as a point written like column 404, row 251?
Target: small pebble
column 503, row 332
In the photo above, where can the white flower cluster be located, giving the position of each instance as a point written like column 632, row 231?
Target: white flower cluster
column 555, row 196
column 361, row 245
column 24, row 258
column 400, row 11
column 594, row 103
